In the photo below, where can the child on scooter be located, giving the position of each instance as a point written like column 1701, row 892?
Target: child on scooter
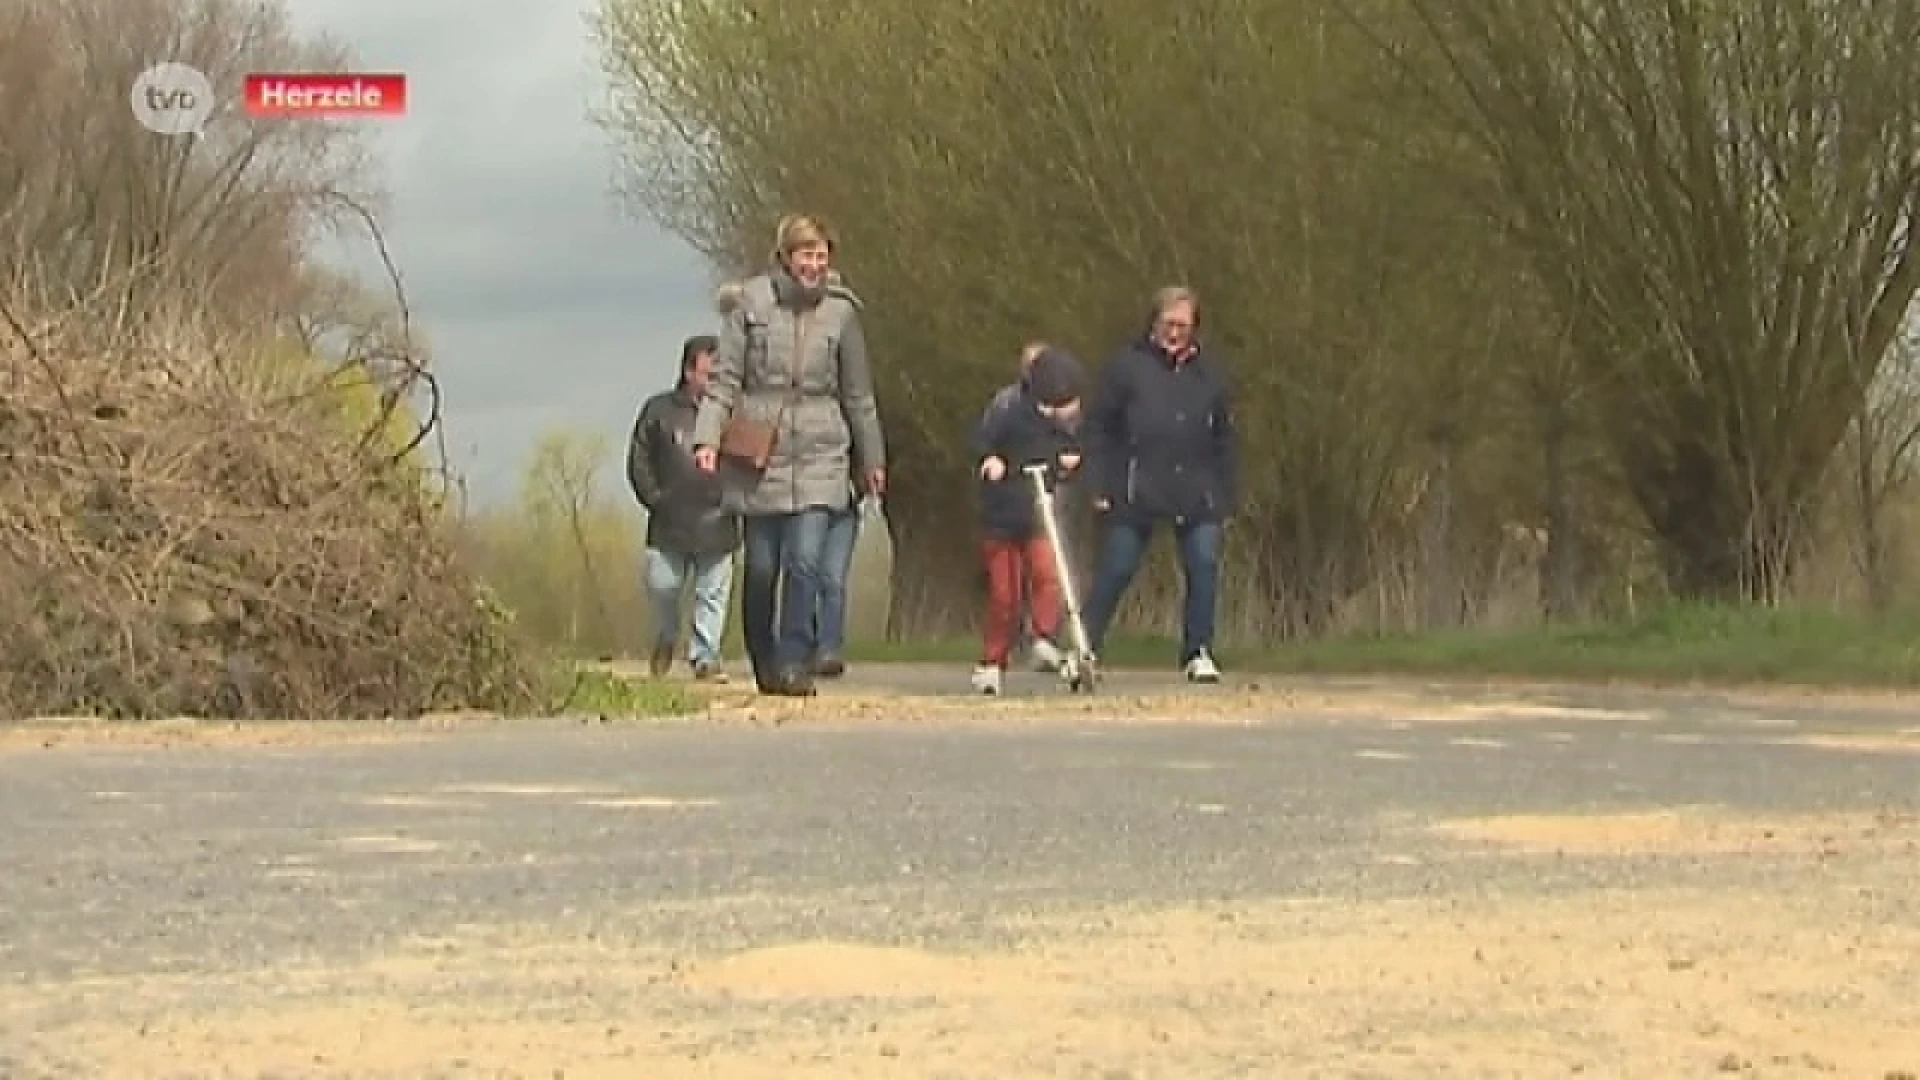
column 1038, row 426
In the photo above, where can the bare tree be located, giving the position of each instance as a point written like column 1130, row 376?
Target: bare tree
column 1719, row 198
column 225, row 218
column 563, row 489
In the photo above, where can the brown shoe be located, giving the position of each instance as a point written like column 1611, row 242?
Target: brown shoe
column 708, row 671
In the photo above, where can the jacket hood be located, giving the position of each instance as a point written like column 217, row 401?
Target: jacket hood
column 1146, row 346
column 837, row 286
column 788, row 291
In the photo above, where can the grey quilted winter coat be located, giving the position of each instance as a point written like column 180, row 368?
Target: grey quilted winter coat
column 829, row 431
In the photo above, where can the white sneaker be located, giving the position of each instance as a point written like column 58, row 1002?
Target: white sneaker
column 986, row 680
column 1076, row 670
column 1201, row 668
column 1046, row 655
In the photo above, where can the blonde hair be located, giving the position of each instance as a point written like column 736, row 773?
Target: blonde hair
column 797, row 231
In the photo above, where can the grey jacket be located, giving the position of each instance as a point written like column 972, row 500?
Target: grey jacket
column 834, row 423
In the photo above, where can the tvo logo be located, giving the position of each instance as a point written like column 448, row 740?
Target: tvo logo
column 172, row 99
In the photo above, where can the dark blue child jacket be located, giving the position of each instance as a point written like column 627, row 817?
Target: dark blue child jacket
column 1018, row 433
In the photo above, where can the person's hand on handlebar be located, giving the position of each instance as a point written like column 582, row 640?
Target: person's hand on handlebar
column 993, row 469
column 706, row 459
column 1069, row 461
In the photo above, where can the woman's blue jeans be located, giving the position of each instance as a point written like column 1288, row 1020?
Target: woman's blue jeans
column 843, row 535
column 780, row 596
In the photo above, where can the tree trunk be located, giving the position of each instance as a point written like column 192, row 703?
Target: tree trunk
column 1717, row 542
column 1312, row 558
column 1440, row 586
column 1558, row 568
column 1869, row 507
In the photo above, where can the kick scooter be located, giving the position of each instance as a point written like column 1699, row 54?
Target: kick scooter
column 1078, row 668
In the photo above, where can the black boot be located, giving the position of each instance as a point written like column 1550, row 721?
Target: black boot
column 829, row 666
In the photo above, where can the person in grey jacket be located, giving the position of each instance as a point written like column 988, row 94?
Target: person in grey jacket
column 791, row 321
column 690, row 536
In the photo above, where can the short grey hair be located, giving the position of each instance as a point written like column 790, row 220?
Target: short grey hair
column 1168, row 297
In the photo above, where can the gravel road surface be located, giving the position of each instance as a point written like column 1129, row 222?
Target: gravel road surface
column 1333, row 880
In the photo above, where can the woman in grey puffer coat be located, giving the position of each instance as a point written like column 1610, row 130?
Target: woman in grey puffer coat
column 823, row 424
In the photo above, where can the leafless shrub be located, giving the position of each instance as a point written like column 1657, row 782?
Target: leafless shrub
column 190, row 528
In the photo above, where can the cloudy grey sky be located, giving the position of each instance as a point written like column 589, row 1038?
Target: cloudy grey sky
column 547, row 304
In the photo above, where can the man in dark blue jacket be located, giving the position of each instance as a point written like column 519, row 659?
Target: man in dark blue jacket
column 1161, row 448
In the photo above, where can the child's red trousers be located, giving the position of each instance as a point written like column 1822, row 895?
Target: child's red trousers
column 1012, row 563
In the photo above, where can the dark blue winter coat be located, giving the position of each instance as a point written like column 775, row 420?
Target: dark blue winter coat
column 1016, row 431
column 1160, row 438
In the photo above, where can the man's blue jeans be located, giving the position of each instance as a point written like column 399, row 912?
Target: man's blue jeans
column 836, row 565
column 781, row 595
column 1123, row 546
column 667, row 576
